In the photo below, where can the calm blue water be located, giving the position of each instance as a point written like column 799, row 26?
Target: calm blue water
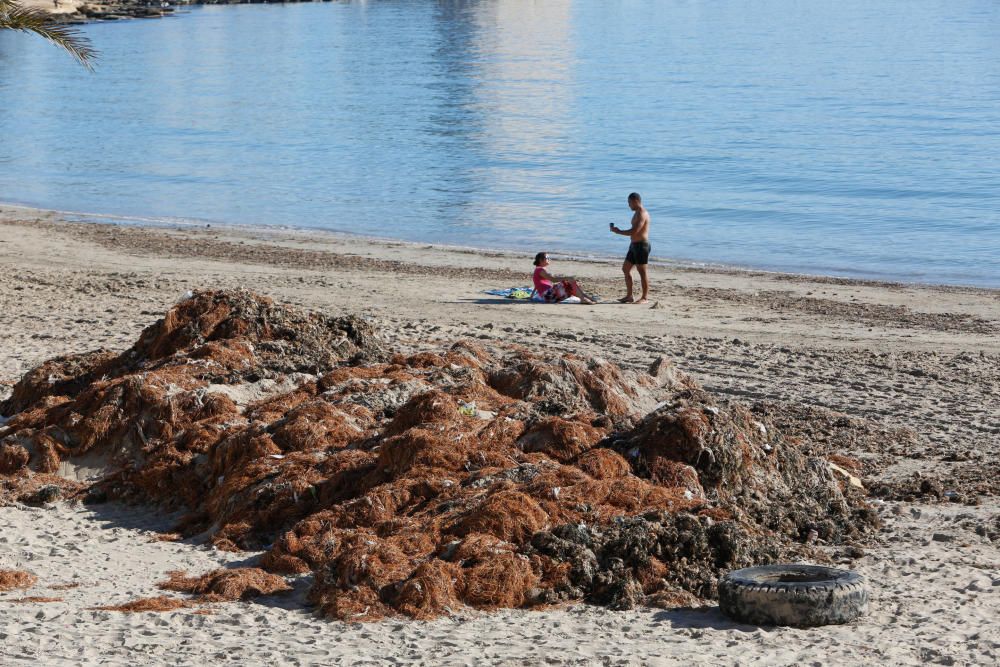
column 854, row 138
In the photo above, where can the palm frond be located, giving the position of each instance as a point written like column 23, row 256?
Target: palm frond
column 39, row 22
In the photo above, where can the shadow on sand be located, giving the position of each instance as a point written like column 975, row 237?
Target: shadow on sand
column 700, row 618
column 154, row 520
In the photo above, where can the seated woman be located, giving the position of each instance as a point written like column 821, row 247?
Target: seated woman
column 552, row 289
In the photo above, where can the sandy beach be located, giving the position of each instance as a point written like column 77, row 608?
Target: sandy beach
column 904, row 378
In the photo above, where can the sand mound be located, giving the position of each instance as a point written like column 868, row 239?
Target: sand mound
column 416, row 484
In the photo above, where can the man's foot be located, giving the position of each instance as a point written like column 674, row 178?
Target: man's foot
column 587, row 302
column 641, row 301
column 625, row 299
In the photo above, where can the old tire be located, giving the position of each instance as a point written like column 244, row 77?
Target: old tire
column 797, row 595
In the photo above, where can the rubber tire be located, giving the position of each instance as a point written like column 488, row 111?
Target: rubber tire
column 796, row 595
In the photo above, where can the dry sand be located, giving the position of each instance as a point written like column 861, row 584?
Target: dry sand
column 907, row 357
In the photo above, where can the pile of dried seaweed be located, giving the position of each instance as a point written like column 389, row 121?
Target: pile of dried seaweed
column 464, row 475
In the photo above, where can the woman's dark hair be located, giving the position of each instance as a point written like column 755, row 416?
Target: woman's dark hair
column 540, row 257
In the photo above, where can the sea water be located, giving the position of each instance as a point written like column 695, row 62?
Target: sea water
column 852, row 138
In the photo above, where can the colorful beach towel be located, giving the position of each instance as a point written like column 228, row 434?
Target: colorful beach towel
column 511, row 292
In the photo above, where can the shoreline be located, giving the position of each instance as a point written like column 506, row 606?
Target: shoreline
column 674, row 264
column 81, row 12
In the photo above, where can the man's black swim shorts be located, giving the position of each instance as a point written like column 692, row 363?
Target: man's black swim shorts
column 638, row 252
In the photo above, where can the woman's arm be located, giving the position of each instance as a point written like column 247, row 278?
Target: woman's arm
column 554, row 279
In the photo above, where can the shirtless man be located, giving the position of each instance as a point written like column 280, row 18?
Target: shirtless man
column 638, row 250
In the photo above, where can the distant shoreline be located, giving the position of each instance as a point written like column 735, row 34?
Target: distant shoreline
column 78, row 12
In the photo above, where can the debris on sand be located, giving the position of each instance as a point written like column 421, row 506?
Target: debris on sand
column 416, row 484
column 159, row 603
column 13, row 579
column 222, row 585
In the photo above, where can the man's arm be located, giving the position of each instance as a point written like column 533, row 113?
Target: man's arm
column 636, row 225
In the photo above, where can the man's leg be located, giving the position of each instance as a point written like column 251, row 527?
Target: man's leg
column 645, row 282
column 627, row 270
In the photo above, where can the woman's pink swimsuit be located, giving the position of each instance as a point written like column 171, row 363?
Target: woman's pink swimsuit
column 541, row 284
column 547, row 290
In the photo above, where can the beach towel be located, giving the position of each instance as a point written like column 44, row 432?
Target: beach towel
column 511, row 292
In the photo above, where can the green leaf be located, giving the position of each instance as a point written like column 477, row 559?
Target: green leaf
column 39, row 22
